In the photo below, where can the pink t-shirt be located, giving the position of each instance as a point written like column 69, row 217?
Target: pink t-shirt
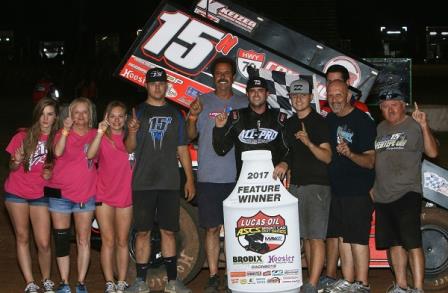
column 73, row 173
column 29, row 185
column 114, row 180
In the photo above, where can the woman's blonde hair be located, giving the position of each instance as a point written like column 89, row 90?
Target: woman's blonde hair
column 81, row 100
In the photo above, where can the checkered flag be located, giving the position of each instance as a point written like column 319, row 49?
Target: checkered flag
column 435, row 182
column 278, row 85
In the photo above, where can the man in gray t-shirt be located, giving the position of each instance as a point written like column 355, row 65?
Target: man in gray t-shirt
column 399, row 145
column 216, row 174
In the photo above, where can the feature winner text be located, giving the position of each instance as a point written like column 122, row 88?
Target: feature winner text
column 259, row 193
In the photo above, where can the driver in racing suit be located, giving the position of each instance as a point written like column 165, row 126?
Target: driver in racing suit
column 253, row 128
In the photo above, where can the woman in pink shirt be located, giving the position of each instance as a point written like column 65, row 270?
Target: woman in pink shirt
column 73, row 191
column 113, row 193
column 30, row 166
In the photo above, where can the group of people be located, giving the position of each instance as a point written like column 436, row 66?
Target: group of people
column 126, row 171
column 341, row 168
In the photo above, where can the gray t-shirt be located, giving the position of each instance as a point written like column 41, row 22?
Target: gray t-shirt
column 162, row 130
column 213, row 168
column 399, row 151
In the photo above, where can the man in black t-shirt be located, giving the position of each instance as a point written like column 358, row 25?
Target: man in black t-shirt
column 309, row 153
column 157, row 135
column 352, row 136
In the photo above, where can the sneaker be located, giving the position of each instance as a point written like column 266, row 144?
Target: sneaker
column 308, row 288
column 63, row 288
column 139, row 286
column 324, row 282
column 358, row 287
column 414, row 290
column 81, row 288
column 31, row 288
column 110, row 287
column 396, row 289
column 339, row 286
column 121, row 286
column 48, row 286
column 212, row 285
column 176, row 286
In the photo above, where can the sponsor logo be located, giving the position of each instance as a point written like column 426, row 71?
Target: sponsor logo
column 351, row 65
column 234, row 281
column 243, row 281
column 247, row 259
column 280, row 259
column 261, row 233
column 277, row 272
column 274, row 280
column 257, row 136
column 193, row 92
column 260, row 280
column 272, row 65
column 254, row 273
column 267, row 273
column 247, row 59
column 171, row 92
column 218, row 11
column 290, row 277
column 132, row 76
column 291, row 272
column 257, row 267
column 237, row 274
column 251, row 281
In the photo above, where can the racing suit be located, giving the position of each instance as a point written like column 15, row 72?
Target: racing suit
column 248, row 130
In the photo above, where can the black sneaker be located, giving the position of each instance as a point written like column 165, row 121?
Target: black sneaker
column 212, row 284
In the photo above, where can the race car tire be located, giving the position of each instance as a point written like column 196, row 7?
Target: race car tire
column 435, row 247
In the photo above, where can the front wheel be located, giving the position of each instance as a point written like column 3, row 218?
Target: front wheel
column 189, row 245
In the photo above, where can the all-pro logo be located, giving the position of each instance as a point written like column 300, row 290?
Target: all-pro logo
column 257, row 136
column 261, row 233
column 247, row 59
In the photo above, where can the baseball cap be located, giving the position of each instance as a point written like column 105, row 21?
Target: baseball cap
column 300, row 86
column 391, row 94
column 256, row 82
column 156, row 74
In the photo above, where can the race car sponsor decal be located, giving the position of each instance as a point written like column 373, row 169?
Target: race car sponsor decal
column 218, row 11
column 249, row 58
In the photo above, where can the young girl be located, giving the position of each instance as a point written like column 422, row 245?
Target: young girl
column 73, row 191
column 32, row 159
column 113, row 196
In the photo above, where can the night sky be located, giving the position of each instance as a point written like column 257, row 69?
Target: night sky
column 358, row 21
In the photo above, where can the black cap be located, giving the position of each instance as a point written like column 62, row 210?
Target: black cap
column 391, row 94
column 256, row 82
column 156, row 74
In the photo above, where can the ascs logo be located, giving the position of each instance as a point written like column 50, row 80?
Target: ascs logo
column 261, row 233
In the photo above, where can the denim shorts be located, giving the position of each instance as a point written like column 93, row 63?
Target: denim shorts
column 66, row 206
column 41, row 201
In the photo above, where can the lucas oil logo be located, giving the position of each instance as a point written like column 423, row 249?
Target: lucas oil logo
column 261, row 233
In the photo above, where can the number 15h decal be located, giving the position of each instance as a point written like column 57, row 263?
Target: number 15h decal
column 185, row 43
